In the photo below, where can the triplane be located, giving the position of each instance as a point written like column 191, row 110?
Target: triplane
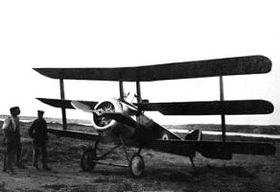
column 127, row 124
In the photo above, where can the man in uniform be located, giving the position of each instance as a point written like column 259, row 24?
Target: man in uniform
column 12, row 142
column 38, row 132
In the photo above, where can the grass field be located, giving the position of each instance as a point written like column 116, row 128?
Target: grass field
column 163, row 172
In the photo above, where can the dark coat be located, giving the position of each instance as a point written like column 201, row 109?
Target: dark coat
column 38, row 130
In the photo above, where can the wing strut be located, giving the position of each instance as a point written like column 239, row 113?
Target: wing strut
column 223, row 118
column 121, row 90
column 138, row 90
column 63, row 111
column 139, row 100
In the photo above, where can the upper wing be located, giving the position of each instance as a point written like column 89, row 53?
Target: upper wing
column 234, row 107
column 181, row 70
column 66, row 103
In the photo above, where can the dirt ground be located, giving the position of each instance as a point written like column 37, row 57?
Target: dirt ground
column 163, row 172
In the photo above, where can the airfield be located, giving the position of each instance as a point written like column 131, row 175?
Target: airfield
column 163, row 172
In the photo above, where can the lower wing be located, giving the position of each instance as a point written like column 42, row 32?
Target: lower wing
column 213, row 149
column 74, row 134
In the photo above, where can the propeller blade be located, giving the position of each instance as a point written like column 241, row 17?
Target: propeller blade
column 121, row 118
column 81, row 106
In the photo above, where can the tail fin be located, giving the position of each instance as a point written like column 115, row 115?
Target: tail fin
column 194, row 135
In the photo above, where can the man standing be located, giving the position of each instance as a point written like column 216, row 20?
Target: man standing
column 12, row 140
column 38, row 132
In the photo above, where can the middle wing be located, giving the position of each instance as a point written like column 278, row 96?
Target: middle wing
column 66, row 103
column 233, row 107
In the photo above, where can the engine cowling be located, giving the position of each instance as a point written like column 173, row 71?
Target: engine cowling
column 104, row 124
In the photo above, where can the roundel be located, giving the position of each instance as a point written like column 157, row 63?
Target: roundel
column 165, row 136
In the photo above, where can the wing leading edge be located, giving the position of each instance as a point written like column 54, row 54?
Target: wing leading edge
column 181, row 70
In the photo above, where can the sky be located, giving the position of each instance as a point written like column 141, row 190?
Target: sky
column 134, row 33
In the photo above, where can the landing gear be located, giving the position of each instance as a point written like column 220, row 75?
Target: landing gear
column 88, row 160
column 191, row 159
column 136, row 165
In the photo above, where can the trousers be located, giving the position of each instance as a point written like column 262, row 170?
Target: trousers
column 40, row 148
column 12, row 151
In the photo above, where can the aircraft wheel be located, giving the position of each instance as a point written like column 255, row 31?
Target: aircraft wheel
column 87, row 159
column 136, row 165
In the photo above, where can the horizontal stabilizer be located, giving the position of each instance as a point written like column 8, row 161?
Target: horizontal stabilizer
column 181, row 70
column 65, row 103
column 234, row 107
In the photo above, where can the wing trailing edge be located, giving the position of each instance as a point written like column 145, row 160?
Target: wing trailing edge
column 180, row 70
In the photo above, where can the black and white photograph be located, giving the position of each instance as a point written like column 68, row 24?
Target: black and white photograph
column 151, row 95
